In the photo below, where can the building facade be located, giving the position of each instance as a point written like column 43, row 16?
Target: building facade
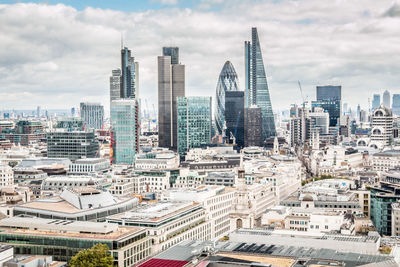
column 234, row 117
column 194, row 122
column 171, row 84
column 386, row 99
column 252, row 126
column 329, row 92
column 124, row 131
column 92, row 115
column 376, row 101
column 227, row 81
column 257, row 92
column 382, row 127
column 129, row 86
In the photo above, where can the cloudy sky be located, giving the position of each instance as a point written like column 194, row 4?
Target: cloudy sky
column 56, row 55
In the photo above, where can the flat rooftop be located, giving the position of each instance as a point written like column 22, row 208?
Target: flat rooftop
column 156, row 212
column 65, row 229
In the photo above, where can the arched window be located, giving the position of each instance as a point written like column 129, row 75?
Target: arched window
column 239, row 223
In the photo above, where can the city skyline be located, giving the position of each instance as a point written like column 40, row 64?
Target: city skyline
column 49, row 54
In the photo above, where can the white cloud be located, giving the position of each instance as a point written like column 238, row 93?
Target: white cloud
column 61, row 56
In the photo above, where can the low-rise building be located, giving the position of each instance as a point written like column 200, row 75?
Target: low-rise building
column 156, row 160
column 90, row 165
column 63, row 239
column 34, row 261
column 6, row 176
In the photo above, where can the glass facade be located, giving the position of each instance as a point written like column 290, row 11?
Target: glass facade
column 396, row 104
column 130, row 75
column 381, row 209
column 329, row 92
column 376, row 101
column 257, row 92
column 333, row 107
column 194, row 122
column 234, row 115
column 227, row 81
column 125, row 131
column 92, row 115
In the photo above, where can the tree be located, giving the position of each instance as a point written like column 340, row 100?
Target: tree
column 97, row 256
column 12, row 164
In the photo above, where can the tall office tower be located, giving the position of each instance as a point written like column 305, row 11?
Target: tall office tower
column 125, row 131
column 329, row 92
column 358, row 112
column 345, row 108
column 376, row 101
column 92, row 115
column 318, row 120
column 386, row 99
column 72, row 112
column 129, row 75
column 38, row 111
column 257, row 92
column 396, row 104
column 115, row 85
column 252, row 126
column 234, row 117
column 381, row 127
column 227, row 81
column 194, row 122
column 332, row 107
column 171, row 84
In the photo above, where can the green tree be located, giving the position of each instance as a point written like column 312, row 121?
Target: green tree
column 97, row 256
column 12, row 164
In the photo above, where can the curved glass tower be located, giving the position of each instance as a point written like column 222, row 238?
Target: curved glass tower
column 227, row 81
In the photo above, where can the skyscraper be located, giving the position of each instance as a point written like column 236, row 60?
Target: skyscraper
column 234, row 117
column 125, row 131
column 227, row 81
column 129, row 75
column 386, row 99
column 115, row 85
column 396, row 104
column 376, row 101
column 329, row 92
column 253, row 125
column 257, row 92
column 194, row 122
column 92, row 115
column 171, row 84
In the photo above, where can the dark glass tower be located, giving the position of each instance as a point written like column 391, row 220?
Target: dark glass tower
column 234, row 116
column 257, row 92
column 130, row 75
column 227, row 81
column 329, row 92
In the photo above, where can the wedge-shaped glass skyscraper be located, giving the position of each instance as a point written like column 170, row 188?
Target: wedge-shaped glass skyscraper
column 227, row 81
column 257, row 92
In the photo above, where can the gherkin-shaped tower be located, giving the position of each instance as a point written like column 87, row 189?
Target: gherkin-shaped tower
column 227, row 81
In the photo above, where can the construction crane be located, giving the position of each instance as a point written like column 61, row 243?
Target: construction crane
column 301, row 91
column 147, row 113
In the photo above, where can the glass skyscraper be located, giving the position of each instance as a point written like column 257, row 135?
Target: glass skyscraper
column 257, row 92
column 396, row 104
column 376, row 101
column 130, row 75
column 194, row 122
column 125, row 131
column 92, row 115
column 329, row 92
column 227, row 81
column 234, row 116
column 386, row 99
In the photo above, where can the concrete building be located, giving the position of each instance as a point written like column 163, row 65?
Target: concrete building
column 6, row 176
column 167, row 223
column 89, row 166
column 77, row 204
column 71, row 144
column 253, row 126
column 115, row 85
column 396, row 219
column 93, row 115
column 385, row 160
column 34, row 261
column 171, row 84
column 125, row 131
column 59, row 182
column 157, row 160
column 6, row 254
column 63, row 239
column 382, row 127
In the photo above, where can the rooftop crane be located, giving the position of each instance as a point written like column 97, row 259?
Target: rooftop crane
column 301, row 91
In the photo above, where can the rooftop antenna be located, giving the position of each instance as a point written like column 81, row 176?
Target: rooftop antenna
column 122, row 40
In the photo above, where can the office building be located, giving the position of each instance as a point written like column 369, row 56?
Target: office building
column 381, row 127
column 129, row 86
column 252, row 126
column 376, row 101
column 6, row 176
column 73, row 145
column 257, row 92
column 89, row 166
column 124, row 131
column 386, row 99
column 194, row 122
column 396, row 104
column 227, row 81
column 115, row 85
column 329, row 92
column 25, row 132
column 92, row 115
column 171, row 84
column 332, row 107
column 234, row 117
column 63, row 239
